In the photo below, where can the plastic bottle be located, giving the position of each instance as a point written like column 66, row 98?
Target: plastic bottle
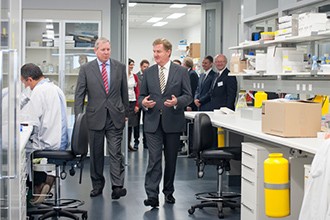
column 259, row 97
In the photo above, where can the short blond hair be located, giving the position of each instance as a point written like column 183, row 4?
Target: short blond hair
column 166, row 44
column 188, row 62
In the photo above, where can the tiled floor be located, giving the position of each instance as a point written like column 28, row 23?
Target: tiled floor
column 131, row 206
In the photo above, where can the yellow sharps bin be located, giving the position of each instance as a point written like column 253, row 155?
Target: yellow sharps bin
column 276, row 186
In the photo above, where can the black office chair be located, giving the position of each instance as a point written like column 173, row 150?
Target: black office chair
column 203, row 141
column 75, row 157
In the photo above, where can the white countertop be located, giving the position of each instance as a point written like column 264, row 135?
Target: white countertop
column 252, row 128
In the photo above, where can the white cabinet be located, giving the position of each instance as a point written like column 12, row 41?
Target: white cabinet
column 252, row 201
column 59, row 47
column 252, row 182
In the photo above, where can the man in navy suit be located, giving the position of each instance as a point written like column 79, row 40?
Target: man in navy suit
column 202, row 100
column 164, row 94
column 224, row 88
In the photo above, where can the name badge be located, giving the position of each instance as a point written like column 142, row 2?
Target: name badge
column 220, row 83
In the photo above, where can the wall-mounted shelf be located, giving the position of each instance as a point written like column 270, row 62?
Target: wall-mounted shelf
column 315, row 36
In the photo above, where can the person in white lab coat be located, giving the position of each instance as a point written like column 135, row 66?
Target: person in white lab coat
column 46, row 110
column 316, row 200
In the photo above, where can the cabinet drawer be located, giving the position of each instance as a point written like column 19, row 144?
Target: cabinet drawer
column 249, row 192
column 248, row 213
column 249, row 158
column 249, row 172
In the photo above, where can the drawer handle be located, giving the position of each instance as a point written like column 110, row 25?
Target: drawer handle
column 248, row 154
column 249, row 181
column 248, row 208
column 247, row 167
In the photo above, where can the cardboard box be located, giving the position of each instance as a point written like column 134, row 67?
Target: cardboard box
column 291, row 118
column 236, row 64
column 194, row 50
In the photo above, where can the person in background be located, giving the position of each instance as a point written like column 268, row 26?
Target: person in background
column 223, row 90
column 204, row 85
column 176, row 61
column 104, row 81
column 193, row 76
column 46, row 108
column 133, row 108
column 144, row 64
column 164, row 94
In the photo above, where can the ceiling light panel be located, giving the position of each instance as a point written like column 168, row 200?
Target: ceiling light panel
column 154, row 19
column 159, row 24
column 178, row 5
column 175, row 15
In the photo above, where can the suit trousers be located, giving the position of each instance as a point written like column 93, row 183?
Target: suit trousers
column 155, row 142
column 137, row 130
column 114, row 138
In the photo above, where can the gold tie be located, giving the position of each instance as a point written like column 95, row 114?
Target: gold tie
column 162, row 79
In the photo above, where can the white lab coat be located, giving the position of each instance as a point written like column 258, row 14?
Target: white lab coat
column 44, row 112
column 316, row 200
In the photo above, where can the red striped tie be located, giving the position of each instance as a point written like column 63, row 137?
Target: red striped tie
column 105, row 78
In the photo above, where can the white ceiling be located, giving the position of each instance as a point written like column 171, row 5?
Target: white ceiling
column 139, row 14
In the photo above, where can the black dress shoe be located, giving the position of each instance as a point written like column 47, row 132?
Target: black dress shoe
column 130, row 148
column 118, row 192
column 153, row 202
column 169, row 199
column 136, row 146
column 95, row 192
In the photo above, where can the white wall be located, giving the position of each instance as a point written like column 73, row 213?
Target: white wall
column 140, row 42
column 231, row 25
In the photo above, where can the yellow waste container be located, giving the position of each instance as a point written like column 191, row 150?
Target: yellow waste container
column 221, row 138
column 276, row 186
column 325, row 103
column 258, row 98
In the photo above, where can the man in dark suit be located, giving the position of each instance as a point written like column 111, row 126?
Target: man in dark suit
column 189, row 64
column 224, row 88
column 104, row 81
column 144, row 64
column 165, row 92
column 202, row 100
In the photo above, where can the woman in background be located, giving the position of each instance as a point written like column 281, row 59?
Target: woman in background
column 133, row 94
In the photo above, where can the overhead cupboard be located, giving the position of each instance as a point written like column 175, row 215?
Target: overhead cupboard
column 297, row 60
column 60, row 46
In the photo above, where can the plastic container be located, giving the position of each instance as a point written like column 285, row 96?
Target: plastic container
column 258, row 98
column 276, row 186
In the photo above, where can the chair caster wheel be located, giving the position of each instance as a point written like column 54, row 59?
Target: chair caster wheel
column 191, row 210
column 84, row 216
column 221, row 215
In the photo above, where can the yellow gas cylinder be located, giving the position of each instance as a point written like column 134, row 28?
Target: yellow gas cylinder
column 324, row 100
column 258, row 98
column 276, row 186
column 221, row 138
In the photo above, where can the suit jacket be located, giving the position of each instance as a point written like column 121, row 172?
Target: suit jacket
column 90, row 83
column 193, row 84
column 178, row 84
column 203, row 89
column 140, row 77
column 224, row 90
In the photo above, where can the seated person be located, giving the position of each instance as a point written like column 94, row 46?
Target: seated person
column 46, row 111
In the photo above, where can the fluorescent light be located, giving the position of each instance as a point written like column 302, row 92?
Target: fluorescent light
column 131, row 4
column 176, row 15
column 178, row 5
column 154, row 19
column 159, row 24
column 49, row 26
